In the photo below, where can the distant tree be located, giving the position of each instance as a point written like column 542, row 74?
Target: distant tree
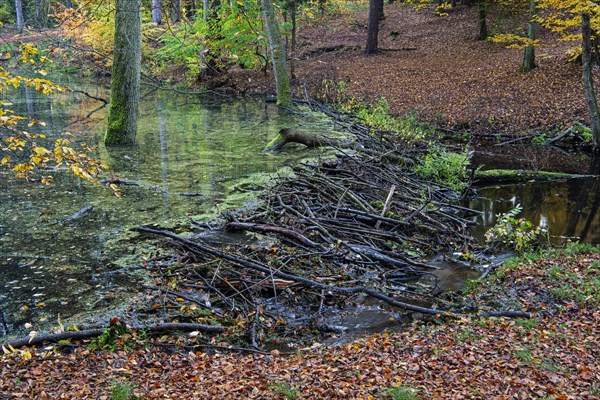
column 565, row 16
column 588, row 80
column 175, row 10
column 156, row 12
column 532, row 28
column 482, row 21
column 125, row 83
column 375, row 14
column 19, row 14
column 278, row 56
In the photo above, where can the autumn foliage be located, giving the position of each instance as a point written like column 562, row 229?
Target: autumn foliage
column 28, row 154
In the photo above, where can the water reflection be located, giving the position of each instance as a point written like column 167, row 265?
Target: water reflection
column 568, row 208
column 191, row 154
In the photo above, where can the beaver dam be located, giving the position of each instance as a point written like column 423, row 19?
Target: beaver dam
column 340, row 232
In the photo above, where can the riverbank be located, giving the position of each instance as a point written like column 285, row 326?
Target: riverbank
column 553, row 355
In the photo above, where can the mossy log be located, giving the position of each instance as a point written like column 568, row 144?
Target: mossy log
column 288, row 135
column 494, row 176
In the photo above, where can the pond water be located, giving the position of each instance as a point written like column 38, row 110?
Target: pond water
column 196, row 155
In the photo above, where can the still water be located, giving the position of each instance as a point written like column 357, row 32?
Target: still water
column 196, row 155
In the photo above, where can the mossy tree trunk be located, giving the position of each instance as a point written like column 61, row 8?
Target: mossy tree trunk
column 588, row 82
column 19, row 15
column 482, row 24
column 125, row 83
column 278, row 56
column 532, row 29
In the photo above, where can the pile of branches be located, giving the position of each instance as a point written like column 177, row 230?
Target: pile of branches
column 355, row 225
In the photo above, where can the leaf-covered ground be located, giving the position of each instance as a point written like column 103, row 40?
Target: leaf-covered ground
column 553, row 356
column 436, row 66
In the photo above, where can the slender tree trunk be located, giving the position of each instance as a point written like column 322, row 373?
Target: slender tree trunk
column 19, row 12
column 175, row 10
column 294, row 7
column 282, row 80
column 532, row 28
column 373, row 29
column 156, row 12
column 125, row 83
column 588, row 83
column 483, row 11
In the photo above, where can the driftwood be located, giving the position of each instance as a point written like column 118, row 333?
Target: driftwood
column 288, row 135
column 79, row 214
column 92, row 333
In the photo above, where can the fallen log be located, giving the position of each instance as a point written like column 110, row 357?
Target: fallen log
column 92, row 333
column 288, row 135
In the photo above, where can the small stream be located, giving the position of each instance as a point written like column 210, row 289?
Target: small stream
column 196, row 156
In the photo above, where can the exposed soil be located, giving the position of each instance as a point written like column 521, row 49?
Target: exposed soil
column 435, row 66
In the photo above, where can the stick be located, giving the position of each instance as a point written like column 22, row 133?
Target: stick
column 92, row 333
column 386, row 205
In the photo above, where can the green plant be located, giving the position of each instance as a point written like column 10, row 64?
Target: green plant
column 526, row 323
column 6, row 13
column 514, row 232
column 446, row 168
column 400, row 393
column 540, row 139
column 524, row 355
column 122, row 391
column 284, row 388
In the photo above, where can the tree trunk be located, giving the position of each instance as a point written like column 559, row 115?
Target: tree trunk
column 176, row 11
column 483, row 11
column 277, row 49
column 532, row 28
column 156, row 12
column 19, row 12
column 373, row 30
column 588, row 83
column 125, row 83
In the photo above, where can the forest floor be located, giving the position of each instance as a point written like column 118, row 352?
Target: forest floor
column 551, row 356
column 436, row 67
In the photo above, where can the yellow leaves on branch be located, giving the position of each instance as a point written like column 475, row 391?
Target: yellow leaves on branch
column 564, row 16
column 512, row 41
column 25, row 153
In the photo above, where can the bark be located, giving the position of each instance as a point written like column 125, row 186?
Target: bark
column 156, row 12
column 532, row 28
column 92, row 333
column 588, row 83
column 19, row 15
column 176, row 11
column 125, row 83
column 373, row 29
column 278, row 56
column 287, row 135
column 483, row 11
